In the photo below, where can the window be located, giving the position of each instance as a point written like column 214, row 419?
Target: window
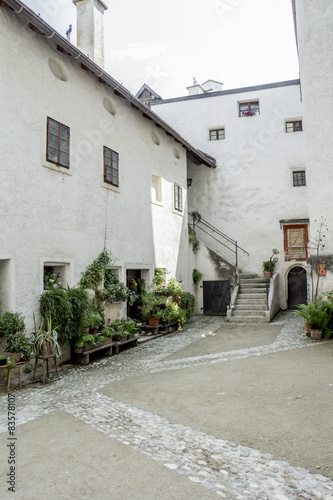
column 299, row 178
column 111, row 167
column 249, row 108
column 57, row 143
column 178, row 198
column 294, row 126
column 216, row 134
column 295, row 242
column 156, row 188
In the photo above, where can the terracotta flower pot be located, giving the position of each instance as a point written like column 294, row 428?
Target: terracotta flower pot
column 308, row 329
column 315, row 334
column 153, row 321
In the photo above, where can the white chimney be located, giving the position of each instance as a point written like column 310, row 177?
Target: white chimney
column 90, row 29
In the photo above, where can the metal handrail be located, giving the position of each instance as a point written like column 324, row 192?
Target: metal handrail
column 230, row 240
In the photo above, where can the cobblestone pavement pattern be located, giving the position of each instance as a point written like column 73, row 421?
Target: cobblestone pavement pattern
column 231, row 471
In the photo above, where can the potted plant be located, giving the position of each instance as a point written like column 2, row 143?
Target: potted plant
column 316, row 314
column 268, row 266
column 131, row 327
column 151, row 308
column 19, row 347
column 108, row 335
column 46, row 341
column 92, row 320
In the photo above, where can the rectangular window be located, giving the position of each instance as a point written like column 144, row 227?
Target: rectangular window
column 57, row 143
column 295, row 242
column 156, row 188
column 178, row 198
column 249, row 108
column 294, row 126
column 299, row 178
column 216, row 134
column 111, row 167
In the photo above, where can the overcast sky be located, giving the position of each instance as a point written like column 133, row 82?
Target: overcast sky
column 165, row 43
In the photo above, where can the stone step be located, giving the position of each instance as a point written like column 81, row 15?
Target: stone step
column 247, row 276
column 252, row 281
column 256, row 286
column 249, row 306
column 250, row 296
column 251, row 291
column 260, row 314
column 249, row 319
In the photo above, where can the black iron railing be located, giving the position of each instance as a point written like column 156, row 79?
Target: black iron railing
column 214, row 233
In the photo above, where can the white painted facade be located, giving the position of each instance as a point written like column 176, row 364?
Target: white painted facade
column 314, row 23
column 51, row 215
column 251, row 190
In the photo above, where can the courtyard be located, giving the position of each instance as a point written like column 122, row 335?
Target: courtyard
column 212, row 411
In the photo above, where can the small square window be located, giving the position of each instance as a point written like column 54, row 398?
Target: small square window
column 294, row 126
column 178, row 197
column 249, row 108
column 299, row 178
column 111, row 167
column 217, row 134
column 57, row 150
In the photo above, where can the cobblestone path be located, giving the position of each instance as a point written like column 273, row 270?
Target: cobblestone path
column 231, row 470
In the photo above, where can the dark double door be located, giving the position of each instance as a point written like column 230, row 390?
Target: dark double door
column 216, row 297
column 133, row 279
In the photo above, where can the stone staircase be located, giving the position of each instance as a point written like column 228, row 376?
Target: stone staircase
column 251, row 301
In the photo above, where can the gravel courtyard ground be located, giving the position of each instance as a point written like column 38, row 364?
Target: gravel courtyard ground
column 217, row 410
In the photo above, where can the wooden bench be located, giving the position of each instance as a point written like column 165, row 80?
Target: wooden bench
column 113, row 348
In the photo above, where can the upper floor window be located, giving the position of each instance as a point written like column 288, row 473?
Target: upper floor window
column 178, row 197
column 295, row 126
column 299, row 178
column 249, row 108
column 216, row 134
column 111, row 167
column 57, row 143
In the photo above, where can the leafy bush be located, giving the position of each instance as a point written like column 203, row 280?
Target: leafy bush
column 11, row 323
column 196, row 275
column 18, row 343
column 317, row 313
column 188, row 304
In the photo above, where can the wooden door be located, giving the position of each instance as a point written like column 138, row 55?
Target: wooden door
column 297, row 287
column 216, row 297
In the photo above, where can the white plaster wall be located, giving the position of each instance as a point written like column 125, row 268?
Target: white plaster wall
column 251, row 190
column 315, row 47
column 51, row 213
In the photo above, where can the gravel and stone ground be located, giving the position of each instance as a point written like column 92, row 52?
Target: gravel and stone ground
column 216, row 410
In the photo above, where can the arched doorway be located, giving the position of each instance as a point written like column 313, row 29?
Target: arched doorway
column 297, row 287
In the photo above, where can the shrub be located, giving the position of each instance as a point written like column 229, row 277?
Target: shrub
column 11, row 323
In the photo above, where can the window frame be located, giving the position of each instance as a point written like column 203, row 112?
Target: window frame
column 111, row 167
column 296, row 173
column 293, row 124
column 217, row 131
column 243, row 114
column 178, row 197
column 58, row 149
column 287, row 256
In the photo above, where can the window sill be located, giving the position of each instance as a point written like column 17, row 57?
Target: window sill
column 55, row 168
column 110, row 187
column 158, row 203
column 178, row 212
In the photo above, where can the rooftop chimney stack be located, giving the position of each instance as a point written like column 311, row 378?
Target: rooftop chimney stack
column 90, row 29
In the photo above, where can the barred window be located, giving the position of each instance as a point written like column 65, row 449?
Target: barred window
column 299, row 178
column 111, row 167
column 57, row 143
column 178, row 197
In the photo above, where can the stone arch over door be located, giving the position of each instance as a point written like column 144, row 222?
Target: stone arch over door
column 297, row 287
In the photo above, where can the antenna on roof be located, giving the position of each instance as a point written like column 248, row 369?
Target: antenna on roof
column 68, row 33
column 195, row 81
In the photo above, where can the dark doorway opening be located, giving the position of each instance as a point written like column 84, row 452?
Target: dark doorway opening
column 297, row 287
column 216, row 297
column 133, row 279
